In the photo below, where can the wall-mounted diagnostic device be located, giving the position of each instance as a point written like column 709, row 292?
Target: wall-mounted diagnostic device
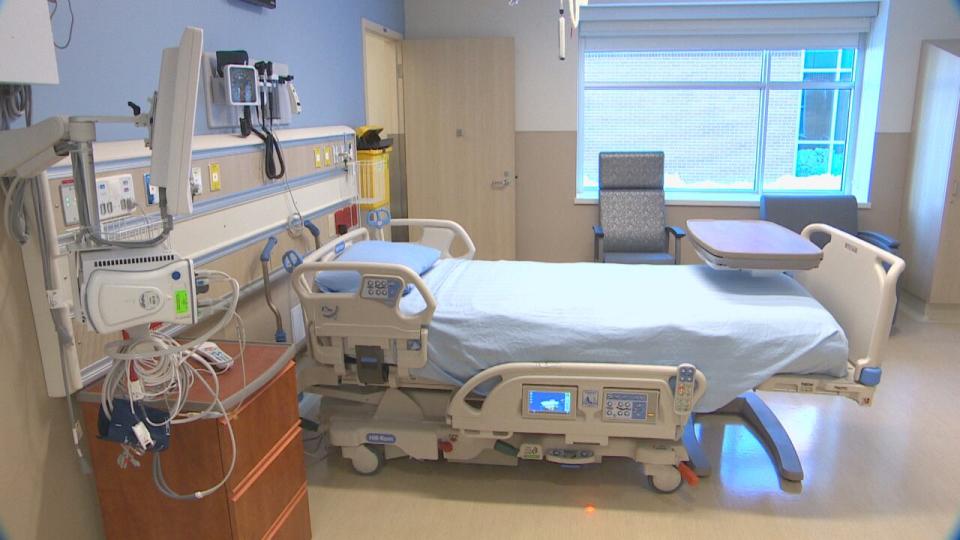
column 241, row 85
column 550, row 402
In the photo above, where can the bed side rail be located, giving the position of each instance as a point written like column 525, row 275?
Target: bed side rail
column 370, row 316
column 503, row 413
column 439, row 234
column 857, row 283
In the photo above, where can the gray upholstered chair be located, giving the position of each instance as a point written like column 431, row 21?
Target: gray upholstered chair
column 633, row 222
column 797, row 211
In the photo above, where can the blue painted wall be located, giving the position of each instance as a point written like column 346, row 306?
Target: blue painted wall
column 115, row 53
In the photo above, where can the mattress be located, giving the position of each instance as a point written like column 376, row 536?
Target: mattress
column 737, row 328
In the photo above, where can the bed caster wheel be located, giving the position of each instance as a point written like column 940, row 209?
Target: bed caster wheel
column 666, row 481
column 368, row 459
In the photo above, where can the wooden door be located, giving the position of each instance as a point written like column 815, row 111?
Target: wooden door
column 383, row 104
column 458, row 99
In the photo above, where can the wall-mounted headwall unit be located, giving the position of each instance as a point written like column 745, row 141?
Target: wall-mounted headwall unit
column 236, row 210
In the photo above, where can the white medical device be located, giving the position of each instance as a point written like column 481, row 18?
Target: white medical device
column 121, row 282
column 683, row 388
column 28, row 53
column 134, row 287
column 242, row 85
column 171, row 132
column 295, row 106
column 569, row 18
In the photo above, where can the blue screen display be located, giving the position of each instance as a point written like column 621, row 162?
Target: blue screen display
column 549, row 402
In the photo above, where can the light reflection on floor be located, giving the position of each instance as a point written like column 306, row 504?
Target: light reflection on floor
column 746, row 467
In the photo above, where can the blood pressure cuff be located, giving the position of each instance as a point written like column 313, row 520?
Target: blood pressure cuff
column 119, row 427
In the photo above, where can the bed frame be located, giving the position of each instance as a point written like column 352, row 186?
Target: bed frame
column 362, row 350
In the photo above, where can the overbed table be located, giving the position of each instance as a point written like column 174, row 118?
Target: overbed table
column 749, row 244
column 754, row 245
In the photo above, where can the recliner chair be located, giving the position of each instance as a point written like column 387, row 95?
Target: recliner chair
column 633, row 223
column 797, row 211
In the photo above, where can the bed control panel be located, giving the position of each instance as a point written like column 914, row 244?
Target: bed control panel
column 683, row 388
column 384, row 289
column 630, row 405
column 558, row 402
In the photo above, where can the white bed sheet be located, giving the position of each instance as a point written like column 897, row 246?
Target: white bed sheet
column 737, row 328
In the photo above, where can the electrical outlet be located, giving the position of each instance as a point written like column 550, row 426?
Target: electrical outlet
column 214, row 177
column 152, row 192
column 196, row 182
column 317, row 157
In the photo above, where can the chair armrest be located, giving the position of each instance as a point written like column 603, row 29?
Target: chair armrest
column 676, row 231
column 598, row 231
column 879, row 239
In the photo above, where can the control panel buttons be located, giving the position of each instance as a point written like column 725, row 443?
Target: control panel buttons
column 629, row 405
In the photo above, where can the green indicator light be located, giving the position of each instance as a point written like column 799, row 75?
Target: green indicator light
column 182, row 299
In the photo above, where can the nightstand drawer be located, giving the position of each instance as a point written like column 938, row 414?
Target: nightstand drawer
column 295, row 523
column 259, row 424
column 259, row 503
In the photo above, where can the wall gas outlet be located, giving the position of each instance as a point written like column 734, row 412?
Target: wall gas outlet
column 317, row 157
column 214, row 177
column 115, row 196
column 196, row 181
column 152, row 191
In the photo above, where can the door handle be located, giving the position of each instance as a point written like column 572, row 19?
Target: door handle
column 503, row 182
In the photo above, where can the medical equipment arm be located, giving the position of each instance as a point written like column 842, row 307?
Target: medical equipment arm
column 280, row 336
column 27, row 152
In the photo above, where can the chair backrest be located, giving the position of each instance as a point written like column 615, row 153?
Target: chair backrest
column 632, row 211
column 797, row 211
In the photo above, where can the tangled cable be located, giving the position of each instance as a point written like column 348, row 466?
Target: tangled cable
column 155, row 368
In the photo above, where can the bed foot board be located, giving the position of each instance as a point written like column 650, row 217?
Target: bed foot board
column 758, row 415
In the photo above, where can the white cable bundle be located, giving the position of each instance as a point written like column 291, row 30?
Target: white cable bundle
column 165, row 375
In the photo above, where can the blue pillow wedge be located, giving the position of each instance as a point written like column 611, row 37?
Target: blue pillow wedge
column 416, row 257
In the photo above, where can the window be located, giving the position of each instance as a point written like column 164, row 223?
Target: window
column 731, row 123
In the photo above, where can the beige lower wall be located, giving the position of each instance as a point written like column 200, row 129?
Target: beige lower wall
column 550, row 227
column 43, row 495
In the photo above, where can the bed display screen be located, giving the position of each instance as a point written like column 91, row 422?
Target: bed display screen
column 549, row 402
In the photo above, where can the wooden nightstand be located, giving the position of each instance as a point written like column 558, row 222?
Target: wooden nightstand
column 266, row 497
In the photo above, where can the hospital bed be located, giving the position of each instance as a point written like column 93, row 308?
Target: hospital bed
column 493, row 362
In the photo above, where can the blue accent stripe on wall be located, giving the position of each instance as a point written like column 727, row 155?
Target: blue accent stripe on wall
column 115, row 53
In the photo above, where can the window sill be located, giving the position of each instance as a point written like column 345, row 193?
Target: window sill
column 730, row 202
